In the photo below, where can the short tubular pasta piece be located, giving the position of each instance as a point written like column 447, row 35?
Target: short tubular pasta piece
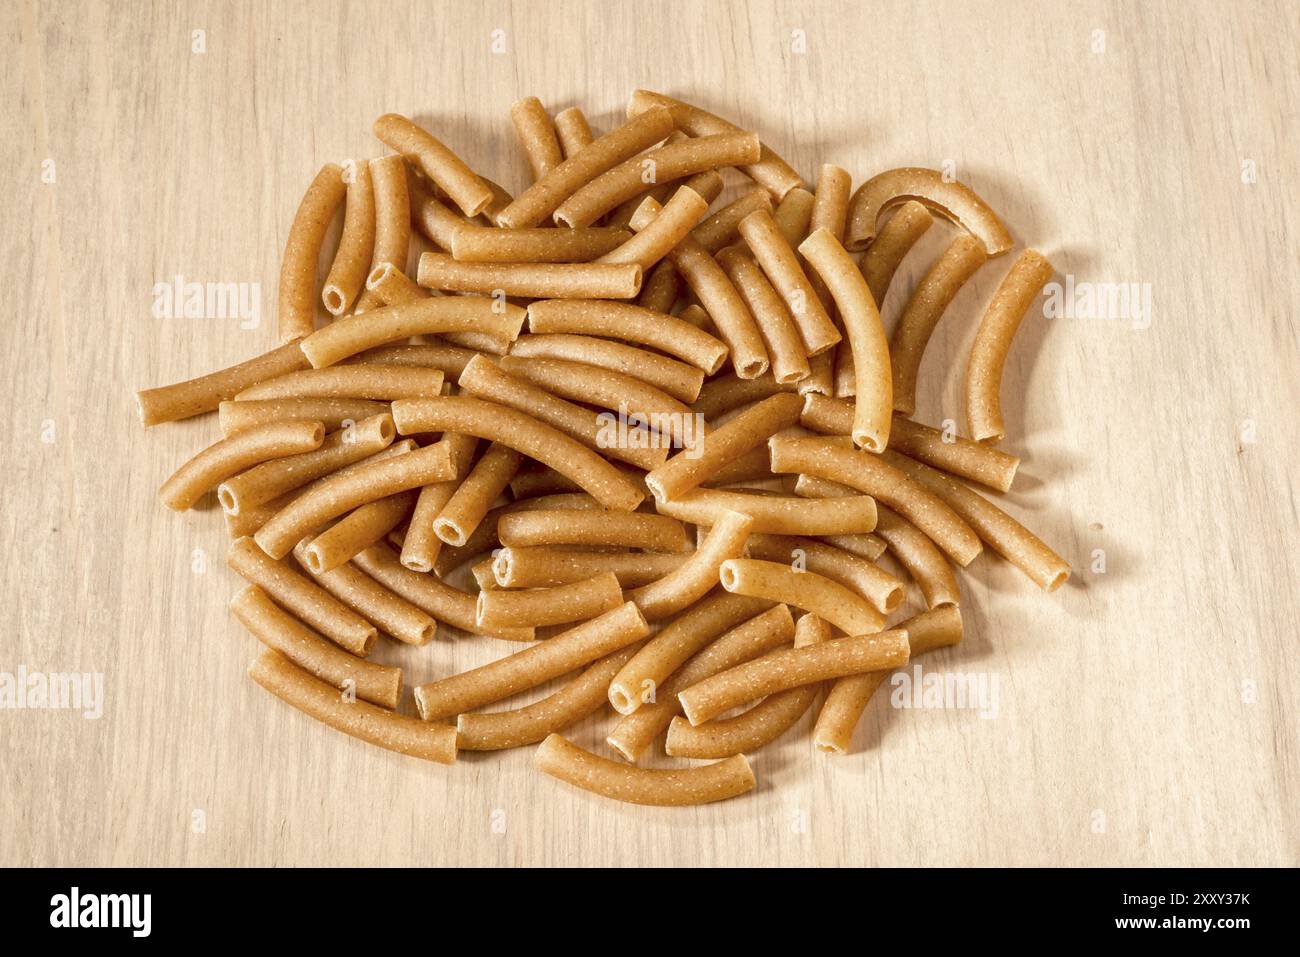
column 922, row 559
column 734, row 322
column 297, row 294
column 522, row 432
column 669, row 162
column 842, row 607
column 537, row 245
column 891, row 246
column 881, row 589
column 333, row 414
column 874, row 400
column 534, row 665
column 490, row 477
column 751, row 428
column 849, row 695
column 573, row 130
column 931, row 297
column 632, row 323
column 956, row 201
column 533, row 607
column 388, row 612
column 619, row 367
column 275, row 628
column 775, row 514
column 726, row 392
column 722, row 227
column 780, row 335
column 1004, row 534
column 830, row 212
column 579, row 698
column 360, row 719
column 636, row 731
column 537, row 202
column 347, row 275
column 562, row 526
column 339, row 494
column 791, row 668
column 436, row 315
column 531, row 280
column 1022, row 283
column 430, row 216
column 659, row 229
column 761, row 724
column 770, row 171
column 691, row 581
column 542, row 566
column 833, row 459
column 196, row 396
column 536, row 135
column 307, row 600
column 448, row 358
column 437, row 162
column 358, row 530
column 338, row 449
column 794, row 214
column 236, row 453
column 392, row 242
column 782, row 267
column 355, row 381
column 639, row 681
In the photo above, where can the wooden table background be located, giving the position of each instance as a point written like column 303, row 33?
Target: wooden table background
column 1147, row 714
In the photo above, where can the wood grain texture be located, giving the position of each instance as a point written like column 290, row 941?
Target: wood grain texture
column 1126, row 697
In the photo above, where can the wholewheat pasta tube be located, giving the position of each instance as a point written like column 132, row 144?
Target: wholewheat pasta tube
column 272, row 479
column 867, row 546
column 451, row 360
column 692, row 580
column 536, row 135
column 430, row 216
column 658, row 228
column 488, row 478
column 440, row 314
column 639, row 682
column 541, row 199
column 660, row 288
column 881, row 589
column 387, row 611
column 439, row 163
column 573, row 130
column 830, row 212
column 430, row 594
column 825, row 598
column 236, row 453
column 955, row 454
column 849, row 695
column 333, row 414
column 873, row 403
column 576, row 601
column 722, row 227
column 632, row 323
column 275, row 628
column 538, row 245
column 307, row 600
column 182, row 400
column 619, row 362
column 360, row 719
column 930, row 299
column 988, row 354
column 1004, row 534
column 359, row 529
column 708, row 185
column 669, row 162
column 534, row 665
column 421, row 544
column 297, row 293
column 342, row 493
column 563, row 526
column 347, row 275
column 839, row 462
column 734, row 322
column 922, row 559
column 525, row 434
column 392, row 244
column 486, row 380
column 791, row 668
column 355, row 381
column 957, row 202
column 771, row 172
column 891, row 246
column 729, row 391
column 656, row 787
column 785, row 348
column 793, row 215
column 542, row 566
column 761, row 724
column 750, row 429
column 781, row 265
column 531, row 280
column 394, row 288
column 775, row 514
column 579, row 698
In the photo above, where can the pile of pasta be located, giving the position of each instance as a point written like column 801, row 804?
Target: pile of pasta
column 668, row 495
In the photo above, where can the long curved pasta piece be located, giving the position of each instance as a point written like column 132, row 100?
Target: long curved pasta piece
column 953, row 199
column 192, row 397
column 785, row 348
column 355, row 381
column 347, row 275
column 486, row 244
column 392, row 242
column 575, row 601
column 541, row 566
column 541, row 280
column 297, row 294
column 692, row 580
column 439, row 163
column 595, row 527
column 631, row 323
column 609, row 373
column 387, row 611
column 775, row 514
column 236, row 453
column 824, row 597
column 776, row 256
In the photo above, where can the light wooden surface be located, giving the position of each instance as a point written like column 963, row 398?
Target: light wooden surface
column 1127, row 731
